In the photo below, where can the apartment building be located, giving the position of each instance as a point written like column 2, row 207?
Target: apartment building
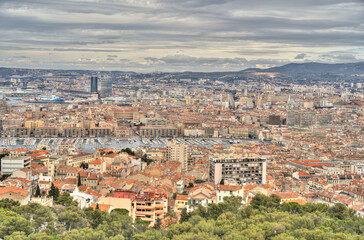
column 46, row 132
column 17, row 159
column 99, row 132
column 18, row 132
column 74, row 132
column 177, row 152
column 150, row 206
column 238, row 169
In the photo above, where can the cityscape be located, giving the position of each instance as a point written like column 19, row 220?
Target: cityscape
column 270, row 150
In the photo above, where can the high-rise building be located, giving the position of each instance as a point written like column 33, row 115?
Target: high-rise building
column 177, row 152
column 93, row 85
column 238, row 169
column 106, row 87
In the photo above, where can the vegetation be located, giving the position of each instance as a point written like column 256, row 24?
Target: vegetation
column 84, row 165
column 264, row 218
column 146, row 159
column 128, row 151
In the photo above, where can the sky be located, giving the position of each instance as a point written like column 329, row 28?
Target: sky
column 178, row 35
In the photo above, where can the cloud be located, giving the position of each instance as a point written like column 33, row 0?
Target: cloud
column 165, row 35
column 300, row 56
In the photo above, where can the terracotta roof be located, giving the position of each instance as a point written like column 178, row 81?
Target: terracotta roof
column 20, row 150
column 229, row 187
column 182, row 197
column 14, row 190
column 102, row 207
column 97, row 161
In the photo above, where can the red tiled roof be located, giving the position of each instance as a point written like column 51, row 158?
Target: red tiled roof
column 14, row 190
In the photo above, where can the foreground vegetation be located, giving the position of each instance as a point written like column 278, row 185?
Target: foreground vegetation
column 265, row 218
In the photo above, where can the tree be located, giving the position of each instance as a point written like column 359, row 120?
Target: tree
column 8, row 203
column 184, row 215
column 190, row 185
column 79, row 180
column 339, row 211
column 72, row 218
column 146, row 159
column 261, row 201
column 84, row 165
column 120, row 211
column 53, row 192
column 65, row 199
column 37, row 192
column 222, row 182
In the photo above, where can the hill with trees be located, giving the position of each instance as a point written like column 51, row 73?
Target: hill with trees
column 264, row 218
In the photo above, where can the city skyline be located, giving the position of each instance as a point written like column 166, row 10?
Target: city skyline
column 147, row 36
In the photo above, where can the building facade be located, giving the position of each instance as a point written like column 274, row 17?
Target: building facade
column 240, row 170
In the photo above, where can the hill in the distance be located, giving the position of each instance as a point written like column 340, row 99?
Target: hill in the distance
column 317, row 68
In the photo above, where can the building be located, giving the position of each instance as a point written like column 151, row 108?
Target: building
column 106, row 87
column 274, row 120
column 228, row 191
column 158, row 131
column 33, row 124
column 99, row 131
column 238, row 169
column 46, row 132
column 94, row 85
column 177, row 152
column 74, row 132
column 180, row 203
column 15, row 193
column 18, row 132
column 17, row 159
column 149, row 206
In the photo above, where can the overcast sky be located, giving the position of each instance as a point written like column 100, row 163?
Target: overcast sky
column 178, row 35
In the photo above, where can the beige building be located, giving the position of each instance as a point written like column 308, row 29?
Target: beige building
column 46, row 132
column 15, row 193
column 33, row 124
column 74, row 132
column 177, row 152
column 158, row 131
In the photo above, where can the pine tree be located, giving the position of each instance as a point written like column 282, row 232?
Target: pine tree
column 53, row 192
column 184, row 215
column 79, row 180
column 37, row 192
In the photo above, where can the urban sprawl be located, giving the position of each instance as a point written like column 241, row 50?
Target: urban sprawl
column 155, row 143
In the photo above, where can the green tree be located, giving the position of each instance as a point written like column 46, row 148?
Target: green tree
column 339, row 211
column 7, row 203
column 65, row 199
column 72, row 218
column 184, row 215
column 79, row 183
column 222, row 182
column 37, row 192
column 53, row 192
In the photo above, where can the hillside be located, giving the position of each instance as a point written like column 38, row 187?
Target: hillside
column 264, row 218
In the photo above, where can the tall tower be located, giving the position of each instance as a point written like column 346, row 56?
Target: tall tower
column 106, row 87
column 93, row 84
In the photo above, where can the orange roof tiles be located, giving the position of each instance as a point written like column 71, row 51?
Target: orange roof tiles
column 14, row 190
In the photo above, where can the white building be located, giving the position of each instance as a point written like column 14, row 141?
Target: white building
column 228, row 191
column 84, row 200
column 16, row 160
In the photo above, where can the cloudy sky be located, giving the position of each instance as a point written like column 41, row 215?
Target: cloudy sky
column 178, row 35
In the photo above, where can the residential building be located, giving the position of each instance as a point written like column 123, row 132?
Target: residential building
column 242, row 170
